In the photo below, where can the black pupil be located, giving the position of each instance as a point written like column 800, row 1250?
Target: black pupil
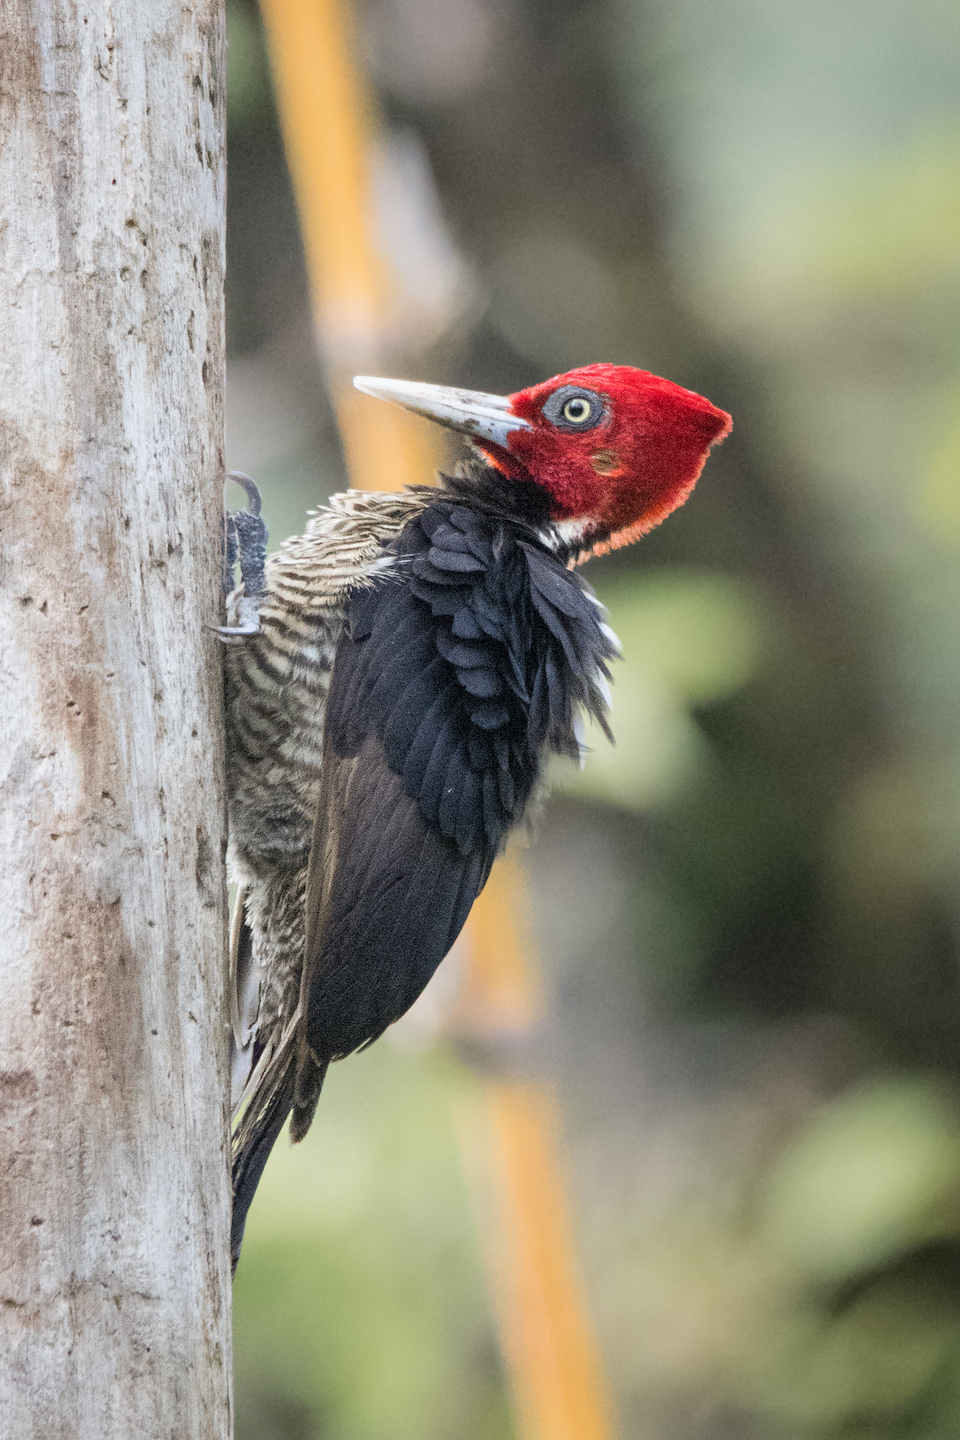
column 577, row 409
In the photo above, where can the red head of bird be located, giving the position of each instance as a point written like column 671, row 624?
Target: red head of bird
column 614, row 449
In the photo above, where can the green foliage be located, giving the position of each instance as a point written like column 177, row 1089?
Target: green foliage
column 873, row 1175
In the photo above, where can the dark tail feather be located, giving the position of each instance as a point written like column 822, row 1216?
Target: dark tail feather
column 252, row 1156
column 310, row 1076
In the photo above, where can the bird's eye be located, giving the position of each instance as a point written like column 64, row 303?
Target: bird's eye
column 577, row 410
column 572, row 408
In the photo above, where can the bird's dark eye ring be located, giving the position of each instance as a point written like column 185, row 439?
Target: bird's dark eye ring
column 573, row 408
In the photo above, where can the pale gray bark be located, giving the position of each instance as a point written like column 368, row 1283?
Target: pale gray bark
column 114, row 1203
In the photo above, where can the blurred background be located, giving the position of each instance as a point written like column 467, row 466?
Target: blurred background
column 746, row 915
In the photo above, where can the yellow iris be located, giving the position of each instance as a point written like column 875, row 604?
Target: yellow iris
column 576, row 410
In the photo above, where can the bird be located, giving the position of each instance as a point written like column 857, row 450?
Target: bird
column 395, row 679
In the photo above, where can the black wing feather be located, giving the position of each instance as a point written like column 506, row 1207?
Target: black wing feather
column 453, row 675
column 380, row 925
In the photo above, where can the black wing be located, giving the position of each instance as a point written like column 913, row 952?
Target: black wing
column 382, row 914
column 453, row 676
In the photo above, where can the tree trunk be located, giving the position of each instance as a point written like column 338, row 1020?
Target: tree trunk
column 114, row 1201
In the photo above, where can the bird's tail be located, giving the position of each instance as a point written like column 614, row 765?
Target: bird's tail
column 287, row 1083
column 256, row 1136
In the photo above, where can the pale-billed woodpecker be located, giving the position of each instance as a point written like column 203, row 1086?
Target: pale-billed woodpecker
column 395, row 679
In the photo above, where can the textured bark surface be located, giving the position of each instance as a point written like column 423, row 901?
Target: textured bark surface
column 114, row 1204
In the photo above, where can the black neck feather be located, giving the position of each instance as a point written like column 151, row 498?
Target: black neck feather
column 484, row 488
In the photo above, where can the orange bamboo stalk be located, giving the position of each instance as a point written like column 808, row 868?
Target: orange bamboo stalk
column 556, row 1375
column 327, row 122
column 546, row 1339
column 500, row 994
column 328, row 119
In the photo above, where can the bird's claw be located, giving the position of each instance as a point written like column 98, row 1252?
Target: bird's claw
column 247, row 610
column 245, row 538
column 251, row 489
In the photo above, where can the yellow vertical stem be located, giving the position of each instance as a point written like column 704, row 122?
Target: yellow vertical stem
column 501, row 993
column 545, row 1336
column 328, row 119
column 555, row 1370
column 327, row 126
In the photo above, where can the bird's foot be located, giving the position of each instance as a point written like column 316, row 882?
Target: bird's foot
column 245, row 541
